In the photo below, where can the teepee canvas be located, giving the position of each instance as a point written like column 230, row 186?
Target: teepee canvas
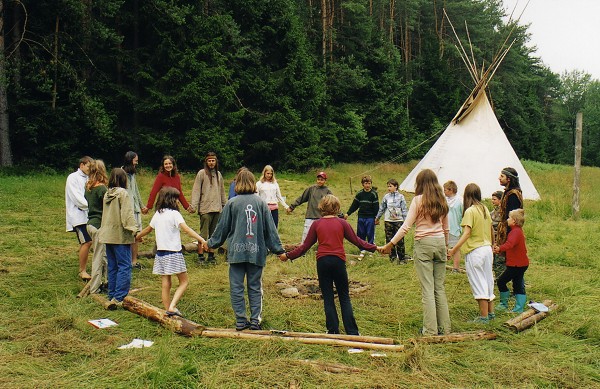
column 474, row 148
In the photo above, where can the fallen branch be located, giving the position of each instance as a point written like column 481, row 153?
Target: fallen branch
column 530, row 321
column 457, row 337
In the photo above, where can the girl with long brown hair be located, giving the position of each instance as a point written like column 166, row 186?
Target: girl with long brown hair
column 428, row 211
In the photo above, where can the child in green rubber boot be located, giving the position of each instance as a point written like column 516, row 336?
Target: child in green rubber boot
column 517, row 263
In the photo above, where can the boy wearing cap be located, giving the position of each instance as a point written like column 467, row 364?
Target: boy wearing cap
column 312, row 195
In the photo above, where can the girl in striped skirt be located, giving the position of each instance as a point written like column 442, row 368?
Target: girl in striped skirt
column 167, row 221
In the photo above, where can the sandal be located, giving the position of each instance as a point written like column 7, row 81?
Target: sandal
column 176, row 312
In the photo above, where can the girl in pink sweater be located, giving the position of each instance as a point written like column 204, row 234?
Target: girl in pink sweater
column 428, row 211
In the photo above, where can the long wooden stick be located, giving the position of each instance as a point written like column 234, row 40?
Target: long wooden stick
column 333, row 342
column 291, row 334
column 189, row 328
column 458, row 337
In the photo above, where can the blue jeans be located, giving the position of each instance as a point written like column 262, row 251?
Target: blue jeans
column 275, row 215
column 332, row 270
column 253, row 275
column 119, row 270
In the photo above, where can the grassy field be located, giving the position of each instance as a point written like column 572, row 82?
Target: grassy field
column 46, row 342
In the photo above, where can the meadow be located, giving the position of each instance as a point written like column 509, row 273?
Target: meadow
column 46, row 341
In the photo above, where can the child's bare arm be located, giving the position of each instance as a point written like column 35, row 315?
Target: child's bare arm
column 142, row 233
column 185, row 228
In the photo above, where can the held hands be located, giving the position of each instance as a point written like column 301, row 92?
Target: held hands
column 204, row 246
column 345, row 216
column 190, row 209
column 376, row 222
column 289, row 210
column 386, row 249
column 138, row 238
column 145, row 210
column 283, row 257
column 496, row 249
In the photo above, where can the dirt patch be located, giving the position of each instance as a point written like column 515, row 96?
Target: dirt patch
column 307, row 287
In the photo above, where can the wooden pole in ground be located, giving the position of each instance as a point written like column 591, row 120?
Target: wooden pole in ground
column 578, row 137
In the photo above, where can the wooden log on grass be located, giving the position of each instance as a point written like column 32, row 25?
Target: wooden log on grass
column 86, row 290
column 102, row 300
column 333, row 342
column 528, row 313
column 189, row 328
column 457, row 337
column 532, row 320
column 291, row 334
column 176, row 324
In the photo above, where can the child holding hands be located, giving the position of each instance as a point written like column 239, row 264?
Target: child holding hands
column 366, row 202
column 517, row 262
column 167, row 221
column 393, row 208
column 330, row 232
column 247, row 225
column 476, row 244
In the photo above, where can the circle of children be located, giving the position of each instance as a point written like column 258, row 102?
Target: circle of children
column 105, row 213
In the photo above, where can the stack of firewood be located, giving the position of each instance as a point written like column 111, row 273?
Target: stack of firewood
column 529, row 317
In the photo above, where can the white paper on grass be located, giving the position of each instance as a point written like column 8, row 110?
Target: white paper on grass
column 538, row 307
column 102, row 323
column 137, row 343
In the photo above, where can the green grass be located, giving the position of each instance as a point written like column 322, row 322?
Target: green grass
column 46, row 342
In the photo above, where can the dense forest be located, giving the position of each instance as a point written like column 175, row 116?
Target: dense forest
column 295, row 83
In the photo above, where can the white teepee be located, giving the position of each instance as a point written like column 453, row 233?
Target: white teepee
column 474, row 148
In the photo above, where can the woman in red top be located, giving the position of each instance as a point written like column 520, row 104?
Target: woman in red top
column 330, row 232
column 167, row 176
column 517, row 262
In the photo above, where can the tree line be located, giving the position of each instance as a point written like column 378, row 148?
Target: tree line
column 293, row 83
